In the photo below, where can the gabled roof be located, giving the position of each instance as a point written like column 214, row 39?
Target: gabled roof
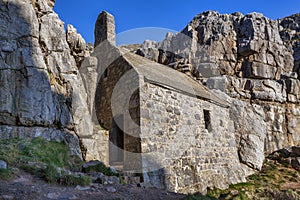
column 167, row 77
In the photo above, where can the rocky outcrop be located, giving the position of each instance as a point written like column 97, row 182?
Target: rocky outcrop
column 79, row 49
column 288, row 156
column 254, row 60
column 247, row 46
column 41, row 93
column 290, row 34
column 3, row 164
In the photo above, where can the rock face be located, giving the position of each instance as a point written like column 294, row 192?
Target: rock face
column 79, row 49
column 255, row 61
column 290, row 34
column 41, row 92
column 247, row 46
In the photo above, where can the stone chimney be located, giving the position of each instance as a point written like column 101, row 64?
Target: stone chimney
column 105, row 29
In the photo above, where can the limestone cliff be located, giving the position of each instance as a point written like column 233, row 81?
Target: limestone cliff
column 41, row 92
column 255, row 62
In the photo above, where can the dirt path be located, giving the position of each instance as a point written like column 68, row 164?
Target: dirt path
column 27, row 187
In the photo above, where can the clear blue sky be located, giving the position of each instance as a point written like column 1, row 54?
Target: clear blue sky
column 168, row 14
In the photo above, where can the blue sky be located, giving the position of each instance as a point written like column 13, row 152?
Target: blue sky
column 165, row 14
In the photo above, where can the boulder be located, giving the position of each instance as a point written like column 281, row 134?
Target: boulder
column 91, row 164
column 3, row 164
column 99, row 177
column 111, row 189
column 296, row 150
column 251, row 132
column 296, row 163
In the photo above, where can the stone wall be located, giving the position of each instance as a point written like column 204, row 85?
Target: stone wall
column 166, row 136
column 117, row 99
column 193, row 155
column 114, row 83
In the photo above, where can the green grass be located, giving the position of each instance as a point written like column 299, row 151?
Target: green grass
column 101, row 167
column 5, row 174
column 240, row 185
column 274, row 181
column 271, row 181
column 74, row 180
column 41, row 158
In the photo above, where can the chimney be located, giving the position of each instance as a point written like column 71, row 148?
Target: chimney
column 105, row 29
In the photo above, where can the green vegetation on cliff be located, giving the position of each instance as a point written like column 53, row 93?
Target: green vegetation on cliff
column 275, row 181
column 47, row 159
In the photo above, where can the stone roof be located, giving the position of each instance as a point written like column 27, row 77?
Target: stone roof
column 164, row 76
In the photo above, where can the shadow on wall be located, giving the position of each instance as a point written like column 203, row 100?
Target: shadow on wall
column 35, row 98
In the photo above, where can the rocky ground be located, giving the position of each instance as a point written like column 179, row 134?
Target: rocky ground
column 279, row 179
column 39, row 169
column 26, row 186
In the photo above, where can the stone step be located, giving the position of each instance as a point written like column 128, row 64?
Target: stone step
column 117, row 165
column 131, row 177
column 119, row 168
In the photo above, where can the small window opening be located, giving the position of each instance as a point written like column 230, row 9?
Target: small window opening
column 207, row 120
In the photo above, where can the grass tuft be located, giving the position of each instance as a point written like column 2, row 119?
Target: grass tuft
column 5, row 174
column 75, row 180
column 101, row 167
column 41, row 158
column 274, row 180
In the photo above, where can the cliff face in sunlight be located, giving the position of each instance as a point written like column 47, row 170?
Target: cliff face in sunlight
column 253, row 63
column 41, row 92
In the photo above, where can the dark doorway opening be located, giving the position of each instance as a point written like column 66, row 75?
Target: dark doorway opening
column 116, row 147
